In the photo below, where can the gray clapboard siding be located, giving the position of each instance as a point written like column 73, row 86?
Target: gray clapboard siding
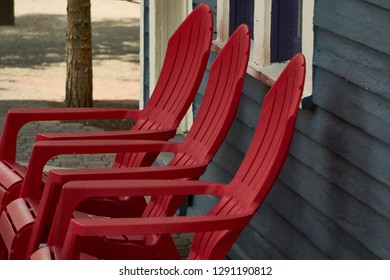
column 320, row 230
column 341, row 173
column 240, row 136
column 202, row 204
column 358, row 21
column 354, row 62
column 356, row 218
column 248, row 111
column 146, row 70
column 347, row 137
column 256, row 247
column 216, row 173
column 283, row 235
column 351, row 143
column 357, row 106
column 380, row 3
column 255, row 89
column 228, row 157
column 202, row 87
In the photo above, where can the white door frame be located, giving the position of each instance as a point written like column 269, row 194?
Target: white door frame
column 164, row 17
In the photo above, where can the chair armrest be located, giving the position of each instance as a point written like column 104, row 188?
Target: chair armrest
column 161, row 225
column 16, row 118
column 63, row 176
column 57, row 178
column 75, row 192
column 158, row 225
column 45, row 150
column 156, row 134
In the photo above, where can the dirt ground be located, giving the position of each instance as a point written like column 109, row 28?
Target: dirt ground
column 32, row 53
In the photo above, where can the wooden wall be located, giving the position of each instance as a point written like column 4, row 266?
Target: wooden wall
column 146, row 62
column 332, row 198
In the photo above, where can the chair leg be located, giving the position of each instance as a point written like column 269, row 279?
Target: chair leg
column 3, row 250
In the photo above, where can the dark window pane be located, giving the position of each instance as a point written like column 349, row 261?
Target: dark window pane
column 286, row 28
column 241, row 11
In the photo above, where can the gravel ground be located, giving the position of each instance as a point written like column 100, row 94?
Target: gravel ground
column 32, row 53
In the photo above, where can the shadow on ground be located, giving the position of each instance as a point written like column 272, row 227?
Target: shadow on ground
column 39, row 40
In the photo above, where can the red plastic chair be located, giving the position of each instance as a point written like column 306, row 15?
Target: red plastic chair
column 73, row 238
column 191, row 157
column 182, row 72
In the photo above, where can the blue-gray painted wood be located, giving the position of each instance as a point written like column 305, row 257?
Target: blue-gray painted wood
column 229, row 158
column 353, row 216
column 202, row 204
column 248, row 111
column 346, row 138
column 355, row 105
column 319, row 229
column 216, row 173
column 339, row 172
column 256, row 247
column 349, row 142
column 358, row 21
column 354, row 62
column 146, row 63
column 283, row 235
column 254, row 89
column 240, row 136
column 380, row 3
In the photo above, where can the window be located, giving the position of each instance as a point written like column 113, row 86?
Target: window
column 241, row 11
column 279, row 29
column 286, row 33
column 286, row 19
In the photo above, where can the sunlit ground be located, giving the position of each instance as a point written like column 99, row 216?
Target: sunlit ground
column 33, row 52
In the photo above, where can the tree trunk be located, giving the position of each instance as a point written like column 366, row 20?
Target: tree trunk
column 79, row 55
column 7, row 15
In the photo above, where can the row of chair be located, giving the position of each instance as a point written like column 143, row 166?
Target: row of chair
column 102, row 213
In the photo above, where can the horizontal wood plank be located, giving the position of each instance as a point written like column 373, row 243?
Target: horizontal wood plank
column 339, row 172
column 353, row 216
column 283, row 235
column 349, row 142
column 380, row 3
column 359, row 21
column 319, row 229
column 355, row 105
column 251, row 245
column 356, row 63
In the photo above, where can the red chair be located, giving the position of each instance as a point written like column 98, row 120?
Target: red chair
column 149, row 237
column 187, row 55
column 191, row 157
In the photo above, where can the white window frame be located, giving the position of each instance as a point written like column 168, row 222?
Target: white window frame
column 260, row 66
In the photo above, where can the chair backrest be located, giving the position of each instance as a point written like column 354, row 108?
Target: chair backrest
column 263, row 161
column 181, row 74
column 215, row 115
column 220, row 101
